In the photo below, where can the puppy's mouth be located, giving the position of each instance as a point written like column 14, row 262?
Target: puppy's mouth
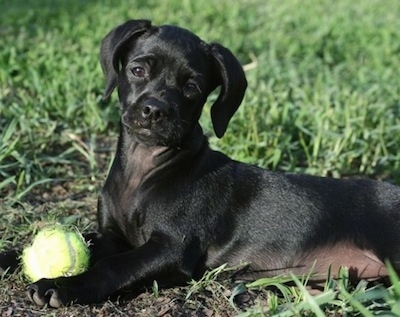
column 150, row 133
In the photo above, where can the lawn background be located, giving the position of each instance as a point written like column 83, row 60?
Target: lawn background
column 323, row 99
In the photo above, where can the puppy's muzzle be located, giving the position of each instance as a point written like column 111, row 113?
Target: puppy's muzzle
column 153, row 111
column 147, row 115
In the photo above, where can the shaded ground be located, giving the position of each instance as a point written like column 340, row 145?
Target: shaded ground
column 170, row 302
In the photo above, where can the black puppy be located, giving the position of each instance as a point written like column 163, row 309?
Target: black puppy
column 171, row 207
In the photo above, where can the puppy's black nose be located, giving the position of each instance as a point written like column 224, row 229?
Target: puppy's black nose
column 154, row 111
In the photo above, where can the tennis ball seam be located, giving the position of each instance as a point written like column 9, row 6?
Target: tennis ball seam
column 72, row 254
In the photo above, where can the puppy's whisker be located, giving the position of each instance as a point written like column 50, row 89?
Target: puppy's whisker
column 186, row 122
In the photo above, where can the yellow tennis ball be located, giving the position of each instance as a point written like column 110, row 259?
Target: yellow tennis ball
column 55, row 251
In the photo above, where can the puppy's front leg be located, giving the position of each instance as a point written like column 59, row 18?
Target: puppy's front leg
column 102, row 245
column 159, row 259
column 9, row 261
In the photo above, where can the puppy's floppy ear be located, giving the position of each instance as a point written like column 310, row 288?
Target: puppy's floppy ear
column 233, row 83
column 112, row 46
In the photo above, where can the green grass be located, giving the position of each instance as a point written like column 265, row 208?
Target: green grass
column 323, row 92
column 323, row 98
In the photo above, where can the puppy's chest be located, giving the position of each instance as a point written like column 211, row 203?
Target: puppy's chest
column 139, row 216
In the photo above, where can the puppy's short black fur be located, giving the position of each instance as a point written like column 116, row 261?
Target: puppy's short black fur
column 171, row 207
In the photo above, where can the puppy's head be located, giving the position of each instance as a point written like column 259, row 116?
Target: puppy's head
column 164, row 76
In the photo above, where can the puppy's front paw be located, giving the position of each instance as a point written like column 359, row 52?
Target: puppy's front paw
column 46, row 292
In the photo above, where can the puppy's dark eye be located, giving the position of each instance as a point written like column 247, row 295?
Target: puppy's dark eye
column 138, row 72
column 190, row 89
